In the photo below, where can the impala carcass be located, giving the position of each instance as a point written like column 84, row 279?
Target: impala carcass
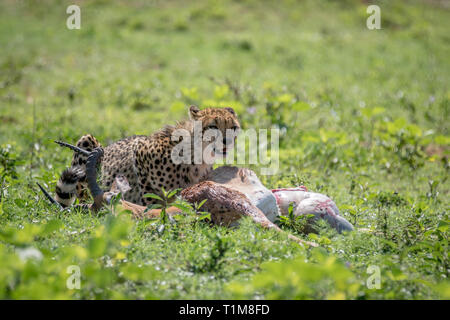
column 230, row 193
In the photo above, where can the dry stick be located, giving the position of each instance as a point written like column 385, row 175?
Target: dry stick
column 74, row 148
column 33, row 136
column 49, row 197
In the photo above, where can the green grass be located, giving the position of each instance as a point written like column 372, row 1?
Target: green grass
column 366, row 116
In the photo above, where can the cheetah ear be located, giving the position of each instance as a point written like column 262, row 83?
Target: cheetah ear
column 194, row 112
column 231, row 110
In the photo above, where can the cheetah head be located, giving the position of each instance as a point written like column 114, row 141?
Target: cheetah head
column 220, row 127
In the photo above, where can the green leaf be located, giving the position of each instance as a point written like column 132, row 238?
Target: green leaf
column 220, row 92
column 291, row 211
column 136, row 273
column 153, row 196
column 204, row 216
column 201, row 204
column 173, row 192
column 442, row 226
column 51, row 226
column 300, row 106
column 285, row 98
column 97, row 247
column 153, row 206
column 371, row 112
column 182, row 206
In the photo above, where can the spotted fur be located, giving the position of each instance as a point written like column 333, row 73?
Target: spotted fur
column 146, row 161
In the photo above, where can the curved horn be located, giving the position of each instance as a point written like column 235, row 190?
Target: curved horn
column 48, row 196
column 72, row 147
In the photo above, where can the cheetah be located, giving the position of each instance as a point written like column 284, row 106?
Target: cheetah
column 230, row 193
column 147, row 162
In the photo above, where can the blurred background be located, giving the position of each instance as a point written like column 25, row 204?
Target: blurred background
column 364, row 114
column 134, row 65
column 311, row 68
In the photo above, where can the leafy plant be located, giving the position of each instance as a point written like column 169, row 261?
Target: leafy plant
column 322, row 277
column 300, row 223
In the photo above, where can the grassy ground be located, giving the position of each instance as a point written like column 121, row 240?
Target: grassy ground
column 365, row 119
